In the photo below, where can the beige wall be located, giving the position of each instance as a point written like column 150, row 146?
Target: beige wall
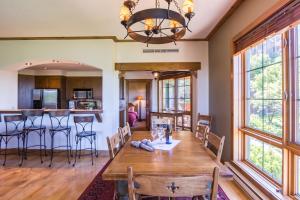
column 220, row 53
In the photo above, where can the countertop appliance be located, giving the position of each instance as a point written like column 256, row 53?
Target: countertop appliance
column 83, row 93
column 45, row 98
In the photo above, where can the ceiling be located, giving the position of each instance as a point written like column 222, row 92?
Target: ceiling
column 63, row 66
column 63, row 18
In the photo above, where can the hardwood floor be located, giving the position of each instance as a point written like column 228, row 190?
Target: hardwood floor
column 35, row 181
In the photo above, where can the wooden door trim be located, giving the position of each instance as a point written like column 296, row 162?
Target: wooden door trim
column 158, row 66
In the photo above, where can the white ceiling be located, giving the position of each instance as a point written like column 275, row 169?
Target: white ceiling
column 50, row 18
column 63, row 66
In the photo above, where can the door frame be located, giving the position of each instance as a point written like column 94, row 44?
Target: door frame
column 148, row 98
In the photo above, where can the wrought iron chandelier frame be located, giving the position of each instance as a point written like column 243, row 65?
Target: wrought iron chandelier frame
column 159, row 15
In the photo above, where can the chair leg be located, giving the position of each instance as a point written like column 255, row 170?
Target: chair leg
column 92, row 150
column 68, row 151
column 0, row 144
column 26, row 145
column 52, row 146
column 23, row 149
column 41, row 156
column 79, row 149
column 18, row 145
column 5, row 151
column 95, row 142
column 45, row 146
column 76, row 152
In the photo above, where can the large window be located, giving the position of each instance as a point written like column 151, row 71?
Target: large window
column 169, row 94
column 267, row 109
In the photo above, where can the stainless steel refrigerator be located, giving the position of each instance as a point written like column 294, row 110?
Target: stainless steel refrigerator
column 45, row 98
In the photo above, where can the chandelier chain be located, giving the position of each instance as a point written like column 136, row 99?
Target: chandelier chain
column 177, row 6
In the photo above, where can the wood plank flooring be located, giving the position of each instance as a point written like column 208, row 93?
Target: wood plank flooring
column 35, row 181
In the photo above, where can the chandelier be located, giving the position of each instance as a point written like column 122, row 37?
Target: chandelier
column 157, row 25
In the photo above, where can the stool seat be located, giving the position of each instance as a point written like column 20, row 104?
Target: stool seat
column 86, row 133
column 34, row 128
column 61, row 128
column 11, row 133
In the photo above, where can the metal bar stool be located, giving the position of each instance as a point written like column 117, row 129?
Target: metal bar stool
column 84, row 129
column 34, row 124
column 14, row 128
column 60, row 125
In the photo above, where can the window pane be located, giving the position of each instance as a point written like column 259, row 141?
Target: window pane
column 181, row 92
column 180, row 104
column 171, row 92
column 298, row 32
column 172, row 104
column 254, row 114
column 254, row 151
column 254, row 57
column 181, row 82
column 171, row 83
column 187, row 81
column 272, row 50
column 187, row 105
column 264, row 156
column 273, row 117
column 272, row 162
column 187, row 93
column 272, row 82
column 254, row 84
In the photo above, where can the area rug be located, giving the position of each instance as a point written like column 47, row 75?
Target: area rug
column 104, row 190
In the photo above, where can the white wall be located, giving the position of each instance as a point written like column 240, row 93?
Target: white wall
column 102, row 54
column 97, row 53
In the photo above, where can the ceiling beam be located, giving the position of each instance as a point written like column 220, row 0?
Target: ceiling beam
column 159, row 66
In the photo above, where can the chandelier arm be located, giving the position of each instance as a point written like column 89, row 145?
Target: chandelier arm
column 149, row 38
column 187, row 26
column 174, row 40
column 161, row 22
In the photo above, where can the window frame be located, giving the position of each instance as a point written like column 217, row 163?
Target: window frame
column 290, row 149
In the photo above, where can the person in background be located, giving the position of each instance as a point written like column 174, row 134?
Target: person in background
column 132, row 115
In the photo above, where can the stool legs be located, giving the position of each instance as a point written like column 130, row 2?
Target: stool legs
column 52, row 148
column 92, row 150
column 45, row 147
column 77, row 140
column 5, row 150
column 23, row 137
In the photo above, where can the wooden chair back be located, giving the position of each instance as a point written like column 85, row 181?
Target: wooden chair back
column 125, row 133
column 178, row 186
column 217, row 143
column 205, row 120
column 114, row 144
column 201, row 132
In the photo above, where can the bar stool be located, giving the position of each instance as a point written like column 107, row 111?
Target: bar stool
column 60, row 125
column 34, row 124
column 14, row 128
column 84, row 129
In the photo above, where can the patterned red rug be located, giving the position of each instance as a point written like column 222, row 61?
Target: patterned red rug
column 104, row 190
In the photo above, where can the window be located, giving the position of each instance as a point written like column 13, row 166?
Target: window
column 175, row 94
column 264, row 86
column 266, row 79
column 184, row 94
column 265, row 157
column 169, row 94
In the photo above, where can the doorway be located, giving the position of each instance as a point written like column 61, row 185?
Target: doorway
column 138, row 99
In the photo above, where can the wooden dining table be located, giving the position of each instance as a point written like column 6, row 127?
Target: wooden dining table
column 188, row 158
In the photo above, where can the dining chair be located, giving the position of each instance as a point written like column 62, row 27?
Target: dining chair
column 201, row 132
column 14, row 128
column 34, row 125
column 205, row 120
column 60, row 125
column 84, row 130
column 173, row 186
column 125, row 133
column 214, row 145
column 114, row 144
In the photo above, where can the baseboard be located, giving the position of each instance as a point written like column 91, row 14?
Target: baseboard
column 251, row 190
column 103, row 153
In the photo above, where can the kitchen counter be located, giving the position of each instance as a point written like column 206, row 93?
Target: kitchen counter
column 97, row 112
